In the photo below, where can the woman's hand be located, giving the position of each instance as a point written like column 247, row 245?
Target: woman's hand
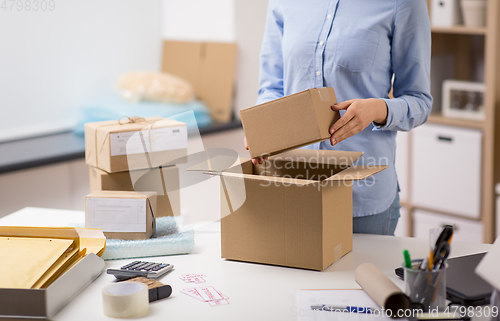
column 255, row 161
column 359, row 114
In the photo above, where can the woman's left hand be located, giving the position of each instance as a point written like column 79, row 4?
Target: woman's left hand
column 359, row 114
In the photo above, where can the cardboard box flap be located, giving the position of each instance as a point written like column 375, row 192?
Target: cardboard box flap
column 356, row 173
column 276, row 179
column 314, row 156
column 218, row 163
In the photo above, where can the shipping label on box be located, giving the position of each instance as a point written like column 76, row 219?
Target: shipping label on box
column 136, row 143
column 163, row 180
column 121, row 215
column 289, row 122
column 294, row 210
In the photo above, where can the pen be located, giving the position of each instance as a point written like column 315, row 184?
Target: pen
column 349, row 309
column 406, row 255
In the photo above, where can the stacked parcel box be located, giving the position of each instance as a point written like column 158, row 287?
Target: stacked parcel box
column 133, row 174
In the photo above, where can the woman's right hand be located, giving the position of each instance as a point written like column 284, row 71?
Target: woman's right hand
column 255, row 161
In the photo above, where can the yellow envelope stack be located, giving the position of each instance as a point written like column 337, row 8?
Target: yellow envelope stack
column 34, row 257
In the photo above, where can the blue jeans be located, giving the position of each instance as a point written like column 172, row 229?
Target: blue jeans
column 382, row 223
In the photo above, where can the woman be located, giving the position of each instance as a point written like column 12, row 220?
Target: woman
column 357, row 47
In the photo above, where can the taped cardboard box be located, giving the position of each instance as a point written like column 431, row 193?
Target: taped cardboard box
column 289, row 122
column 162, row 180
column 209, row 67
column 121, row 215
column 135, row 143
column 294, row 210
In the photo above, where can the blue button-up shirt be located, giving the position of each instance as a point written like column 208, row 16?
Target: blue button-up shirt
column 356, row 47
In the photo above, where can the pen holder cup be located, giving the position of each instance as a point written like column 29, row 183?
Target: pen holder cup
column 426, row 289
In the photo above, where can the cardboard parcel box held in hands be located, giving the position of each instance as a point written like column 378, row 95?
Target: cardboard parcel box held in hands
column 294, row 210
column 289, row 122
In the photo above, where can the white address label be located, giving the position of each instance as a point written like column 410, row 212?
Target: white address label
column 139, row 142
column 116, row 214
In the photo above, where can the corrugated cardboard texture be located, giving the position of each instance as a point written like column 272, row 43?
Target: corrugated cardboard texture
column 209, row 67
column 164, row 181
column 292, row 223
column 98, row 146
column 289, row 122
column 150, row 213
column 279, row 225
column 337, row 226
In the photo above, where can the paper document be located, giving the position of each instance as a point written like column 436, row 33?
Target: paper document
column 335, row 298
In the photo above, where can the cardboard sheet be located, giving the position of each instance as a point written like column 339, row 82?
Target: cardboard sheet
column 209, row 67
column 25, row 260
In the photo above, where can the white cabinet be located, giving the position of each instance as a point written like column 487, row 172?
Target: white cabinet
column 446, row 169
column 62, row 186
column 445, row 13
column 466, row 230
column 402, row 164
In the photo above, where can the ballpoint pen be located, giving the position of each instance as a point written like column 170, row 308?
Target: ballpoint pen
column 348, row 309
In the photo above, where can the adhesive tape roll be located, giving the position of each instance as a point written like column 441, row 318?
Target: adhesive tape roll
column 125, row 300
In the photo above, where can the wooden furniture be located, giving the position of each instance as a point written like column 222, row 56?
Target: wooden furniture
column 468, row 45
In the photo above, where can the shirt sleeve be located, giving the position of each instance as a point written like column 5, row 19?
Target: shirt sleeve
column 411, row 55
column 271, row 56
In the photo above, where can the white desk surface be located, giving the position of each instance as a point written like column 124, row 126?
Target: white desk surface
column 255, row 291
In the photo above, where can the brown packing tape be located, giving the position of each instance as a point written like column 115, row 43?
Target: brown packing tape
column 382, row 290
column 323, row 94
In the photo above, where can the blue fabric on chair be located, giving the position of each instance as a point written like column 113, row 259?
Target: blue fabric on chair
column 112, row 108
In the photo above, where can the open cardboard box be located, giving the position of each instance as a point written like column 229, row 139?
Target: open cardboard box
column 294, row 210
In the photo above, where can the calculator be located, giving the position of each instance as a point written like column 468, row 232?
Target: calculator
column 150, row 270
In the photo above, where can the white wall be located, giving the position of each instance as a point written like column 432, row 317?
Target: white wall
column 250, row 20
column 198, row 20
column 52, row 61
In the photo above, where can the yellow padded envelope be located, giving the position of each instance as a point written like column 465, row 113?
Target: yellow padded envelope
column 25, row 260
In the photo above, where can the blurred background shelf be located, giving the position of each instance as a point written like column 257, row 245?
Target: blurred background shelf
column 442, row 120
column 461, row 30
